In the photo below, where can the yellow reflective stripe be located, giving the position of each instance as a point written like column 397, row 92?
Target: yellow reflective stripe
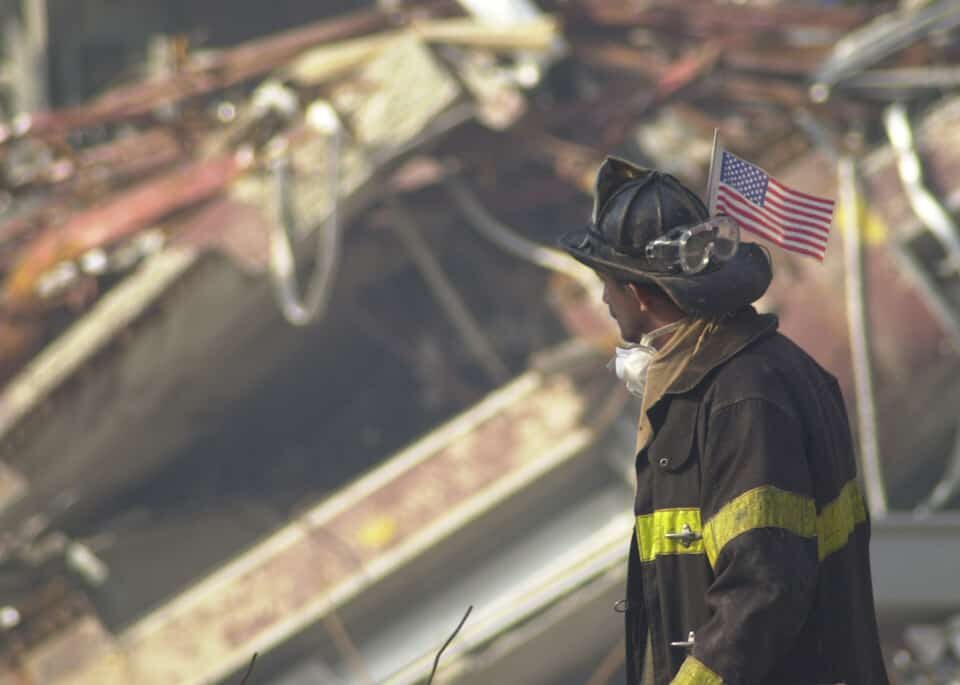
column 694, row 672
column 838, row 519
column 652, row 532
column 763, row 507
column 770, row 507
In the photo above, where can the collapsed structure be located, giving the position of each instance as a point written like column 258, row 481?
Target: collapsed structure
column 240, row 298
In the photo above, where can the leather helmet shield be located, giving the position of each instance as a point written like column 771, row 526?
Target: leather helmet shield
column 611, row 175
column 645, row 207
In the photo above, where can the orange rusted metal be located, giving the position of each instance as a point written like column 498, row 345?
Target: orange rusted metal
column 121, row 216
column 128, row 157
column 221, row 71
column 710, row 19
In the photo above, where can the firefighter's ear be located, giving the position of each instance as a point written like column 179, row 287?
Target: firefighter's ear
column 639, row 296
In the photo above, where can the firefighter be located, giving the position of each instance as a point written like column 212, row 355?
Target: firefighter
column 749, row 563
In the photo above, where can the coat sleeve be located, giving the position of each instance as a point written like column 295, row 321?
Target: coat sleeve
column 759, row 534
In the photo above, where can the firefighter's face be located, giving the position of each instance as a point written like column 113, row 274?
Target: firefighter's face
column 627, row 305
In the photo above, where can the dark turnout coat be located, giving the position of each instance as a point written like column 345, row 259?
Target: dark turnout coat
column 749, row 565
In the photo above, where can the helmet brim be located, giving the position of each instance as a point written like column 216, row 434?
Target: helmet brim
column 721, row 289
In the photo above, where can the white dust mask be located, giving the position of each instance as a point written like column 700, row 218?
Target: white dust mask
column 632, row 361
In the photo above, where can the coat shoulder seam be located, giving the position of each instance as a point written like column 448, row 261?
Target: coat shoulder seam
column 732, row 404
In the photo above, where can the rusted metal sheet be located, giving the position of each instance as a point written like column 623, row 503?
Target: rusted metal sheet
column 780, row 60
column 620, row 102
column 29, row 440
column 220, row 71
column 56, row 627
column 340, row 548
column 584, row 315
column 56, row 658
column 385, row 111
column 236, row 228
column 127, row 157
column 89, row 174
column 120, row 217
column 124, row 214
column 647, row 62
column 711, row 19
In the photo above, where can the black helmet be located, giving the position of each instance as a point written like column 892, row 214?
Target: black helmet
column 635, row 206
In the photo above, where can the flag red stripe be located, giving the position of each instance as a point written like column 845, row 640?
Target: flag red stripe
column 792, row 248
column 789, row 205
column 793, row 220
column 775, row 204
column 789, row 217
column 790, row 190
column 820, row 204
column 786, row 243
column 770, row 218
column 821, row 211
column 818, row 254
column 788, row 237
column 782, row 242
column 740, row 207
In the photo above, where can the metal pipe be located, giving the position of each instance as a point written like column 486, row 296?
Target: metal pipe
column 925, row 205
column 120, row 216
column 451, row 301
column 511, row 241
column 876, row 40
column 908, row 79
column 283, row 267
column 859, row 340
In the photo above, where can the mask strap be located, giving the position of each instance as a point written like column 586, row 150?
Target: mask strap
column 648, row 338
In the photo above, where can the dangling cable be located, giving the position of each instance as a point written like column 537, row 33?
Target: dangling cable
column 283, row 266
column 436, row 661
column 249, row 670
column 511, row 241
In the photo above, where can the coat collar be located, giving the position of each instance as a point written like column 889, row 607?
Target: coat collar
column 731, row 336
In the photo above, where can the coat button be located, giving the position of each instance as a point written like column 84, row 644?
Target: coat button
column 664, row 462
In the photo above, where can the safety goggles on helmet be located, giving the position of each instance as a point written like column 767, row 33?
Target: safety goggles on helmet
column 691, row 248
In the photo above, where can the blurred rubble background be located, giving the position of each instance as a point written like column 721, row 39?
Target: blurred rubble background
column 290, row 368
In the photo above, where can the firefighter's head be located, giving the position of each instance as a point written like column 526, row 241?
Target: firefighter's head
column 661, row 254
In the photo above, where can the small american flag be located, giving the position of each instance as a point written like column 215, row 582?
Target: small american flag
column 793, row 220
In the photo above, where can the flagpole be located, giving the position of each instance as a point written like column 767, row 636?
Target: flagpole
column 711, row 191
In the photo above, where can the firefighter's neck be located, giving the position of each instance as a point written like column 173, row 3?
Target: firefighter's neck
column 660, row 312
